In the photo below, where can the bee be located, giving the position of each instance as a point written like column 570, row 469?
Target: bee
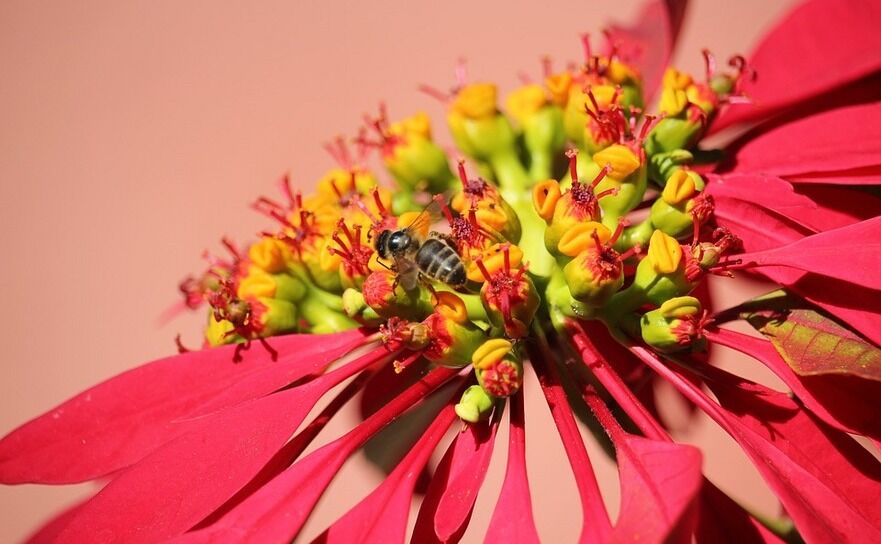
column 434, row 256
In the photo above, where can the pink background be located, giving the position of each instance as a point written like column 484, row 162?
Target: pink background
column 132, row 135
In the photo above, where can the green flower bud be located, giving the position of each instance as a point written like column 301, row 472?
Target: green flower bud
column 675, row 326
column 672, row 212
column 661, row 274
column 475, row 405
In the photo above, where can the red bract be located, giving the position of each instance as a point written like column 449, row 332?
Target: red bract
column 598, row 288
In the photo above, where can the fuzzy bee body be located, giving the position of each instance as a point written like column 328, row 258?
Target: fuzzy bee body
column 435, row 258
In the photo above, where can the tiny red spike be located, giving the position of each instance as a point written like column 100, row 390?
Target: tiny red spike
column 573, row 164
column 604, row 171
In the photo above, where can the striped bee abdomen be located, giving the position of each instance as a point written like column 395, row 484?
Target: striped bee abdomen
column 440, row 262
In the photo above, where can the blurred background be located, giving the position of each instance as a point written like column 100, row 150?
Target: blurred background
column 134, row 134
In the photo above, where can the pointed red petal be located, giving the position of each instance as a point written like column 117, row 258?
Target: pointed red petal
column 722, row 520
column 825, row 480
column 176, row 486
column 819, row 46
column 471, row 454
column 596, row 525
column 839, row 206
column 832, row 141
column 847, row 403
column 512, row 519
column 777, row 195
column 51, row 529
column 851, row 254
column 870, row 175
column 291, row 451
column 659, row 482
column 119, row 421
column 760, row 229
column 854, row 305
column 649, row 42
column 453, row 490
column 278, row 511
column 382, row 516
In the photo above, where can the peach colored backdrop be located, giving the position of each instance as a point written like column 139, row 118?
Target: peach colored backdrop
column 132, row 134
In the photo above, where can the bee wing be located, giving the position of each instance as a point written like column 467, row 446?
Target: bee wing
column 420, row 223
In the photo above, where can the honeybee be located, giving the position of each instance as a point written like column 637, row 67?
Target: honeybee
column 435, row 256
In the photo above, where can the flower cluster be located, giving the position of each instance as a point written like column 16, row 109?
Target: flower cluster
column 579, row 220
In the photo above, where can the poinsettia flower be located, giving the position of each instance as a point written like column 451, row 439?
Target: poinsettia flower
column 594, row 281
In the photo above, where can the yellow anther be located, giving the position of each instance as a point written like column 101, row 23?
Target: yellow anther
column 493, row 259
column 545, row 195
column 580, row 238
column 269, row 254
column 621, row 73
column 450, row 306
column 674, row 79
column 418, row 125
column 327, row 259
column 620, row 159
column 673, row 101
column 603, row 94
column 525, row 101
column 665, row 253
column 558, row 86
column 679, row 187
column 256, row 285
column 680, row 307
column 493, row 218
column 490, row 352
column 476, row 101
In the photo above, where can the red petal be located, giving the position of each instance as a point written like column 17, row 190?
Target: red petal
column 291, row 451
column 851, row 254
column 277, row 512
column 512, row 519
column 51, row 529
column 382, row 516
column 832, row 141
column 450, row 499
column 870, row 175
column 596, row 526
column 777, row 195
column 840, row 205
column 857, row 306
column 758, row 227
column 847, row 404
column 825, row 480
column 723, row 520
column 659, row 482
column 119, row 421
column 819, row 46
column 176, row 486
column 649, row 42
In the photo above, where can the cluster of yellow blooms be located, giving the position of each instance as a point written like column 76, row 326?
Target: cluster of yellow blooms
column 545, row 229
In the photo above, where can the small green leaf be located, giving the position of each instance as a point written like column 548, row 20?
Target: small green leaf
column 813, row 344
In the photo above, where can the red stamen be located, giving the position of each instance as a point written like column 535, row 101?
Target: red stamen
column 709, row 64
column 604, row 171
column 438, row 95
column 585, row 47
column 573, row 164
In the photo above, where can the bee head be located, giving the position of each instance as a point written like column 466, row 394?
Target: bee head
column 381, row 244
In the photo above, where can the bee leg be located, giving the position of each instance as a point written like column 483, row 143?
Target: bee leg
column 423, row 279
